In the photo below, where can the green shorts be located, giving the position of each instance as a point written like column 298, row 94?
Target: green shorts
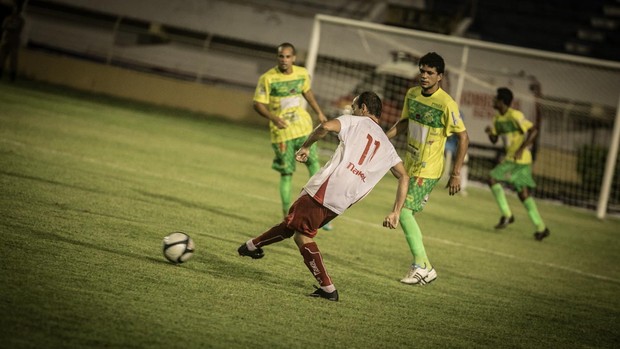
column 516, row 175
column 418, row 193
column 284, row 160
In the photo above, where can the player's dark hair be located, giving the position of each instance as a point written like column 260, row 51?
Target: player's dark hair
column 504, row 95
column 433, row 60
column 372, row 101
column 287, row 44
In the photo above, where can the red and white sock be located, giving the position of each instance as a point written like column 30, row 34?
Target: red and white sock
column 275, row 234
column 314, row 262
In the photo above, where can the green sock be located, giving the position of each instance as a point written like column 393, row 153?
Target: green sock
column 500, row 198
column 413, row 234
column 314, row 168
column 285, row 193
column 532, row 211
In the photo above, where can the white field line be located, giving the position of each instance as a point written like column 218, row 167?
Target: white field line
column 271, row 200
column 495, row 253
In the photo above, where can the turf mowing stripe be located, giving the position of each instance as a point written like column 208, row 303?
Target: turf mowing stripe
column 271, row 200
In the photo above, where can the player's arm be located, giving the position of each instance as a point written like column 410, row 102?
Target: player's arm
column 391, row 220
column 318, row 133
column 398, row 128
column 309, row 96
column 492, row 137
column 454, row 183
column 263, row 111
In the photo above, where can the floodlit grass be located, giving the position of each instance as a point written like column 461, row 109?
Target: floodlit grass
column 90, row 185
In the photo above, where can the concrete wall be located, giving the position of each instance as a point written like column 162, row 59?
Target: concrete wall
column 94, row 77
column 235, row 19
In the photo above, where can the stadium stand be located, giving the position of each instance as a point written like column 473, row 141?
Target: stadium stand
column 202, row 46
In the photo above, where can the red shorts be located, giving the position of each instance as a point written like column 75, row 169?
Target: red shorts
column 306, row 216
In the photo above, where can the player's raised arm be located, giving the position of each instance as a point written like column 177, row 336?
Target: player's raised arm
column 319, row 132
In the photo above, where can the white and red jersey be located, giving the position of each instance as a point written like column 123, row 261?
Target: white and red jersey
column 362, row 158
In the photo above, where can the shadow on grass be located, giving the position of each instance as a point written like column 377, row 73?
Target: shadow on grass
column 50, row 181
column 66, row 207
column 189, row 204
column 228, row 267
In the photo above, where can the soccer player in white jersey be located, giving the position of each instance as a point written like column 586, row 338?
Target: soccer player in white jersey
column 362, row 158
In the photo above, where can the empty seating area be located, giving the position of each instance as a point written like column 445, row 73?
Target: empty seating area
column 586, row 28
column 194, row 47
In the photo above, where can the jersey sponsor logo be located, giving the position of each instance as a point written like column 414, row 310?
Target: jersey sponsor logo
column 356, row 171
column 503, row 127
column 424, row 114
column 286, row 88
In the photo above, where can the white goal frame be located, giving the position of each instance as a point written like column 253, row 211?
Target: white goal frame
column 606, row 67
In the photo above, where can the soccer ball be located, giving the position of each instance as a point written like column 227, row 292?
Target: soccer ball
column 178, row 247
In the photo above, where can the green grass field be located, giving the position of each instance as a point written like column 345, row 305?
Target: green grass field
column 90, row 185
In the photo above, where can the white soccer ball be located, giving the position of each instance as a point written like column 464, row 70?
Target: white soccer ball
column 178, row 247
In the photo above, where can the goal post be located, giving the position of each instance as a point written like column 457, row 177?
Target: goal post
column 574, row 100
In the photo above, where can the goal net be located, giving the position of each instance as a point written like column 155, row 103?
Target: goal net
column 574, row 100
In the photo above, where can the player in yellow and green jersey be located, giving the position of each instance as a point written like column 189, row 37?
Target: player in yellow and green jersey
column 429, row 117
column 518, row 135
column 279, row 97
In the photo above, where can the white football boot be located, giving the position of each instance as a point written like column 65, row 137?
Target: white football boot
column 419, row 276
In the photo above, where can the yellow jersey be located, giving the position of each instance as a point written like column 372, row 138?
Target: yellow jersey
column 432, row 120
column 283, row 93
column 512, row 128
